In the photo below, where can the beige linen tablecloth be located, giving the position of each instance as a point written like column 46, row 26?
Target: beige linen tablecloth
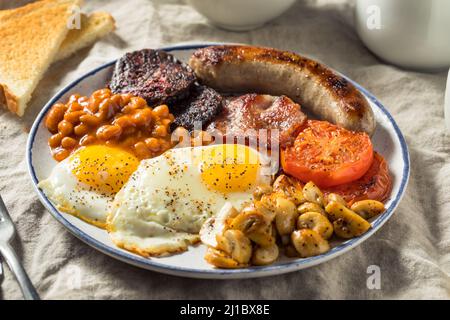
column 412, row 249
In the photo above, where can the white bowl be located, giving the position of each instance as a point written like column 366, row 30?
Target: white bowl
column 240, row 15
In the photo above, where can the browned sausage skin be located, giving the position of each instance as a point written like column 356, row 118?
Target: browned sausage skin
column 234, row 68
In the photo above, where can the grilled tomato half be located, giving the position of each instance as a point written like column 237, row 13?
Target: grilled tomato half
column 328, row 155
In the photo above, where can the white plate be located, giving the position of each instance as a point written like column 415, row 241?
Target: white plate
column 388, row 140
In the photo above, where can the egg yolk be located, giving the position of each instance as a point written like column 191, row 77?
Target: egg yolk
column 103, row 168
column 229, row 168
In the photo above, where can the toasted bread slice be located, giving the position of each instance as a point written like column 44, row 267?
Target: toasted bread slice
column 93, row 27
column 30, row 38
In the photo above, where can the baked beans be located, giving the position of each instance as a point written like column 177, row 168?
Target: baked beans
column 120, row 120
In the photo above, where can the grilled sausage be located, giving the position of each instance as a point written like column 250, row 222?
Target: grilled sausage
column 233, row 68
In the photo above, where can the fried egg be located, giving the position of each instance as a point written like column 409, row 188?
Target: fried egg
column 163, row 205
column 85, row 183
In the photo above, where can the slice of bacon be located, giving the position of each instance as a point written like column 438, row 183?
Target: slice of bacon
column 248, row 115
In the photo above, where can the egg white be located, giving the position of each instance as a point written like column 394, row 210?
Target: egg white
column 163, row 205
column 73, row 197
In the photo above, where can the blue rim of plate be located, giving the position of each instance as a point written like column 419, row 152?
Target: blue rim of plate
column 153, row 265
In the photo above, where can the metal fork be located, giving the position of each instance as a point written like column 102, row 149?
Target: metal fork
column 447, row 103
column 7, row 231
column 1, row 271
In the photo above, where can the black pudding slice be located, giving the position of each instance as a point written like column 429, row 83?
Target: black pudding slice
column 154, row 75
column 198, row 110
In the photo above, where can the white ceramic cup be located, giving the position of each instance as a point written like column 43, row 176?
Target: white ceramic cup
column 240, row 15
column 409, row 33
